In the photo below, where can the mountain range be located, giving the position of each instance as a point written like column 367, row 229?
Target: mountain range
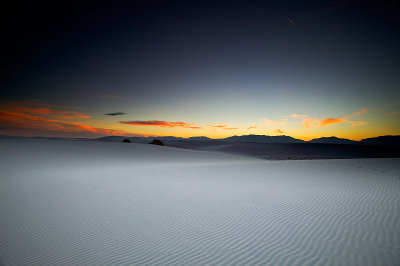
column 377, row 141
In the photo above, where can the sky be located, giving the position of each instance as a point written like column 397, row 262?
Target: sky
column 305, row 69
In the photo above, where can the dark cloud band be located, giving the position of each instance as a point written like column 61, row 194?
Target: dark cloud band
column 116, row 113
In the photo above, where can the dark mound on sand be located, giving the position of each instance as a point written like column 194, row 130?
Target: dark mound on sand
column 157, row 142
column 126, row 141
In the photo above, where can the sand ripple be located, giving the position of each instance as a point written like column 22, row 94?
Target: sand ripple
column 331, row 212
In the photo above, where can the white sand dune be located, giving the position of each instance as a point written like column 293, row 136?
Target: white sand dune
column 93, row 203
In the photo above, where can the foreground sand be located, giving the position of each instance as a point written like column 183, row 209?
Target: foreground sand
column 77, row 202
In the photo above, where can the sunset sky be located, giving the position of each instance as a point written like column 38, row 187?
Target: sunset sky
column 305, row 69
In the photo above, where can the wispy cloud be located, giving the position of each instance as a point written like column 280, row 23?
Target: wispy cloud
column 393, row 113
column 359, row 112
column 298, row 116
column 314, row 123
column 157, row 123
column 116, row 113
column 30, row 117
column 274, row 123
column 278, row 131
column 331, row 121
column 252, row 127
column 100, row 131
column 225, row 126
column 221, row 125
column 44, row 110
column 17, row 121
column 38, row 102
column 309, row 122
column 360, row 123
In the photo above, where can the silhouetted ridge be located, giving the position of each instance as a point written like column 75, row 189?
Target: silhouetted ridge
column 377, row 141
column 121, row 138
column 201, row 138
column 382, row 141
column 264, row 139
column 333, row 140
column 170, row 138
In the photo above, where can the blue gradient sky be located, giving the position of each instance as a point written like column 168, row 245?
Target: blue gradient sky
column 220, row 67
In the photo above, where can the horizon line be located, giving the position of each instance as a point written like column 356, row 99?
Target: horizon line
column 143, row 136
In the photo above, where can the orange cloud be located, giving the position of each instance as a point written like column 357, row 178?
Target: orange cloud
column 30, row 117
column 16, row 122
column 274, row 123
column 252, row 127
column 100, row 131
column 156, row 123
column 225, row 126
column 358, row 123
column 310, row 122
column 278, row 131
column 31, row 108
column 314, row 123
column 331, row 121
column 221, row 125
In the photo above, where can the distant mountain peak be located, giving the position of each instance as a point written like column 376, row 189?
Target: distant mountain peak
column 387, row 140
column 376, row 141
column 264, row 139
column 333, row 140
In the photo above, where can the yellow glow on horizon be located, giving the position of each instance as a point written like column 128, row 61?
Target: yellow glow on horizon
column 346, row 131
column 32, row 118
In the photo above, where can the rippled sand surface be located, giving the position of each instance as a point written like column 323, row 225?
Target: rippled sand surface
column 93, row 203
